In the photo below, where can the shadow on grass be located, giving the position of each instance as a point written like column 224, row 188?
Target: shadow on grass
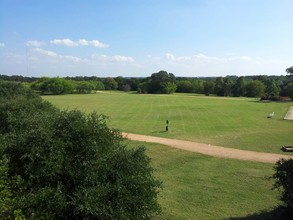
column 157, row 132
column 279, row 213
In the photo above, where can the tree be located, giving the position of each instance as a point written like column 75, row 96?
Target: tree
column 84, row 86
column 290, row 70
column 289, row 90
column 54, row 85
column 273, row 90
column 219, row 86
column 110, row 83
column 238, row 88
column 73, row 166
column 284, row 180
column 198, row 86
column 208, row 87
column 184, row 86
column 162, row 82
column 227, row 86
column 254, row 88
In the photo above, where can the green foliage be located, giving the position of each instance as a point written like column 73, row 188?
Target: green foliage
column 161, row 82
column 84, row 87
column 169, row 88
column 255, row 88
column 289, row 90
column 238, row 89
column 8, row 210
column 9, row 90
column 55, row 85
column 185, row 86
column 208, row 87
column 110, row 83
column 73, row 166
column 284, row 180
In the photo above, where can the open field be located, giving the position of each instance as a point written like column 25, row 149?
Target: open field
column 197, row 186
column 230, row 122
column 204, row 187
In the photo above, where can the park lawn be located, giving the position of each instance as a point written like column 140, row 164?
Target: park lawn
column 230, row 122
column 202, row 187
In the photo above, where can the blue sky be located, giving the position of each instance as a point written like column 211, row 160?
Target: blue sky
column 140, row 37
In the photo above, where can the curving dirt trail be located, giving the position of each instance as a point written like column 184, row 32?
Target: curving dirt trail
column 211, row 150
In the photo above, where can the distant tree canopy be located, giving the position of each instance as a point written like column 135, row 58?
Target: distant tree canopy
column 67, row 165
column 161, row 82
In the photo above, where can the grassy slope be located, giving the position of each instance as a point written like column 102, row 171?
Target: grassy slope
column 203, row 187
column 238, row 123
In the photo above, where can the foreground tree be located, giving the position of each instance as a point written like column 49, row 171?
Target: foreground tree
column 72, row 165
column 284, row 181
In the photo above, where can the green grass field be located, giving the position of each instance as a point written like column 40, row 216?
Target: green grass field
column 197, row 186
column 203, row 187
column 230, row 122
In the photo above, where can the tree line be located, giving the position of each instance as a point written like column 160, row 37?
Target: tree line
column 266, row 87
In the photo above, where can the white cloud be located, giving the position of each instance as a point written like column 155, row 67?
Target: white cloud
column 2, row 44
column 55, row 57
column 35, row 43
column 116, row 58
column 169, row 56
column 45, row 52
column 81, row 42
column 207, row 59
column 97, row 43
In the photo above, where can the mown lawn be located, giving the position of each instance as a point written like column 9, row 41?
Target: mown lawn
column 202, row 187
column 231, row 122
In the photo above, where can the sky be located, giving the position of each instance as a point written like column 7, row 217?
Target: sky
column 135, row 38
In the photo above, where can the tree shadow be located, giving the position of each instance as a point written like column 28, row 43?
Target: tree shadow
column 278, row 213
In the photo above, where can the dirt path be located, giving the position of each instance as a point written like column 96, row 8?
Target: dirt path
column 215, row 151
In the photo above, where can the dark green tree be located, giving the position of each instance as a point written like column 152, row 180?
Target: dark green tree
column 185, row 86
column 272, row 89
column 220, row 86
column 238, row 88
column 255, row 88
column 284, row 181
column 110, row 83
column 209, row 87
column 73, row 166
column 289, row 90
column 162, row 82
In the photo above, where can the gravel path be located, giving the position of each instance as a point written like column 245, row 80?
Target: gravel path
column 289, row 115
column 207, row 149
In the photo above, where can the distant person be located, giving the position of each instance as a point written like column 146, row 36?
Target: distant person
column 167, row 125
